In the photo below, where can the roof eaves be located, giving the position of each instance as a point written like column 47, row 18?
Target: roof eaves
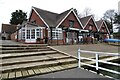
column 77, row 18
column 40, row 17
column 63, row 18
column 106, row 27
column 87, row 22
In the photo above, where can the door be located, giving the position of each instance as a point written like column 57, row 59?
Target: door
column 30, row 36
column 68, row 37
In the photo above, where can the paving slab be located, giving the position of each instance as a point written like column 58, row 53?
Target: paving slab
column 52, row 68
column 31, row 72
column 18, row 74
column 25, row 73
column 12, row 75
column 42, row 70
column 47, row 69
column 36, row 71
column 4, row 75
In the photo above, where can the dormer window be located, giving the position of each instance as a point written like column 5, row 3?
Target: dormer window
column 71, row 24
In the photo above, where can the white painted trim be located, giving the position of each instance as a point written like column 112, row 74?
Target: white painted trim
column 64, row 18
column 74, row 29
column 78, row 19
column 87, row 23
column 100, row 25
column 40, row 17
column 106, row 27
column 72, row 10
column 93, row 21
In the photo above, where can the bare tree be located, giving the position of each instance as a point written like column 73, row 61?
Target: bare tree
column 86, row 12
column 109, row 16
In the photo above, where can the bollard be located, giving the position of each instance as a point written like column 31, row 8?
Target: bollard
column 79, row 66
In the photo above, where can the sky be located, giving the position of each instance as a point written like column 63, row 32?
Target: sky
column 98, row 7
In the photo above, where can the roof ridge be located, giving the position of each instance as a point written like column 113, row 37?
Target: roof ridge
column 44, row 10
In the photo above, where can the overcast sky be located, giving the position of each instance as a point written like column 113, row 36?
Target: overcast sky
column 98, row 7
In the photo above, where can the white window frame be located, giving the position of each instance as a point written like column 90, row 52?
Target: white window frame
column 23, row 31
column 57, row 33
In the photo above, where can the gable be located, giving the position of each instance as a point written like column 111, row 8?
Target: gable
column 104, row 27
column 8, row 28
column 91, row 23
column 37, row 19
column 71, row 17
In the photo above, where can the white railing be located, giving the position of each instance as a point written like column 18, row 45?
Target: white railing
column 96, row 60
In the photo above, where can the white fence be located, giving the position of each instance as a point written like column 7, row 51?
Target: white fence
column 97, row 60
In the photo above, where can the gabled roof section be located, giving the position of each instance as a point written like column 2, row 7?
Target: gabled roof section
column 49, row 18
column 52, row 19
column 100, row 23
column 61, row 16
column 8, row 28
column 65, row 14
column 86, row 19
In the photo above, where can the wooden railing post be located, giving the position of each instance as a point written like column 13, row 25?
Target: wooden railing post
column 79, row 66
column 97, row 65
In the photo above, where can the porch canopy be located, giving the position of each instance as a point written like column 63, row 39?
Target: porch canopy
column 80, row 30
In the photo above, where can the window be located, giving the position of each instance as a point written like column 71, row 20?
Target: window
column 57, row 33
column 33, row 34
column 71, row 23
column 28, row 34
column 39, row 33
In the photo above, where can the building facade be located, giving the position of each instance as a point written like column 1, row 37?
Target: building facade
column 53, row 28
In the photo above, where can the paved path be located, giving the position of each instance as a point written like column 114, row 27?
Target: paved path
column 71, row 73
column 101, row 47
column 2, row 42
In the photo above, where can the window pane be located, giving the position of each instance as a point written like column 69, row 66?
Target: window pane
column 28, row 34
column 33, row 33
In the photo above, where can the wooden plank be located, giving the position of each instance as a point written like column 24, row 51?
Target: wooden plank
column 24, row 73
column 47, row 69
column 31, row 72
column 18, row 74
column 73, row 65
column 36, row 71
column 65, row 66
column 4, row 75
column 12, row 75
column 61, row 67
column 42, row 70
column 52, row 69
column 57, row 68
